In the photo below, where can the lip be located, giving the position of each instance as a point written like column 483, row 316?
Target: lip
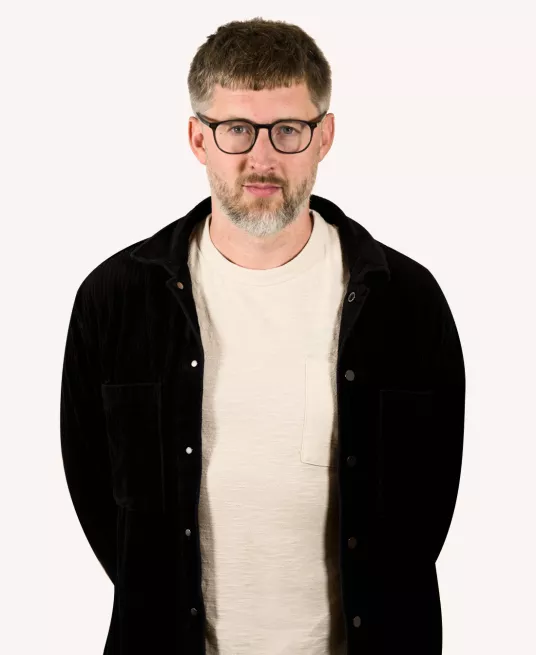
column 262, row 191
column 263, row 186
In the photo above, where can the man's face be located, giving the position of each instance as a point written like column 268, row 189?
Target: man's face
column 228, row 174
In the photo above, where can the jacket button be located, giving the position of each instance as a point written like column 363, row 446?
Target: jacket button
column 180, row 285
column 194, row 363
column 189, row 450
column 352, row 542
column 193, row 611
column 188, row 532
column 349, row 375
column 351, row 460
column 351, row 296
column 356, row 621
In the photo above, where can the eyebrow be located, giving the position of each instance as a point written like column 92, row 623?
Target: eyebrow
column 242, row 118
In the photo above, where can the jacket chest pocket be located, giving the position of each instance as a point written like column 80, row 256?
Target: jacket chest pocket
column 320, row 424
column 133, row 421
column 406, row 453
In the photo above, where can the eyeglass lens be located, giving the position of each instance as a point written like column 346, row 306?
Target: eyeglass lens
column 237, row 136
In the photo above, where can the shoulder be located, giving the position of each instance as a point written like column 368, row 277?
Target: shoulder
column 118, row 273
column 407, row 274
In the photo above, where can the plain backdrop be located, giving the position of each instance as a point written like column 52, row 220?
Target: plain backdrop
column 434, row 154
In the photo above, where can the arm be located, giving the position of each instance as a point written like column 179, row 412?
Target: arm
column 448, row 376
column 83, row 436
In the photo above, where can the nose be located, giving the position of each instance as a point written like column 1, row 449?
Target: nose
column 263, row 143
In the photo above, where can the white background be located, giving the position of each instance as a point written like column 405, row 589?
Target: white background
column 434, row 153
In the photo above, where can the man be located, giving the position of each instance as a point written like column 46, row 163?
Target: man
column 262, row 412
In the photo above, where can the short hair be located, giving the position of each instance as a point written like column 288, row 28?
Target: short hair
column 258, row 54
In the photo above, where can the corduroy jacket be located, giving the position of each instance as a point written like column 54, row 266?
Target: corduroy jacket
column 130, row 424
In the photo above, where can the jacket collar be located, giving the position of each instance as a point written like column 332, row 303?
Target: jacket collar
column 364, row 256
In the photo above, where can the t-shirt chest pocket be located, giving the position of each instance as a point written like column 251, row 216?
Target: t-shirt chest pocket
column 320, row 424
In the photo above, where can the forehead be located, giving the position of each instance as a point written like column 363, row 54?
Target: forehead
column 266, row 105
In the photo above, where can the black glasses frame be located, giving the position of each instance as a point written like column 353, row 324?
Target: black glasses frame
column 257, row 126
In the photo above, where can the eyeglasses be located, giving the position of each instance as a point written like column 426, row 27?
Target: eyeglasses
column 238, row 136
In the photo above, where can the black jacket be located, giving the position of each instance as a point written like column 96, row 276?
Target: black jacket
column 131, row 407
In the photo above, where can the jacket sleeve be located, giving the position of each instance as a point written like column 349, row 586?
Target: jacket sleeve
column 84, row 444
column 448, row 376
